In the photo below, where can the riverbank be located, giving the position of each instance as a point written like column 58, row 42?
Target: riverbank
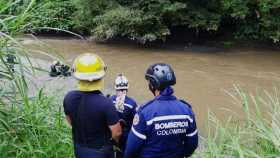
column 207, row 45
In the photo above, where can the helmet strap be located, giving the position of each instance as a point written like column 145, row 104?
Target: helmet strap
column 152, row 89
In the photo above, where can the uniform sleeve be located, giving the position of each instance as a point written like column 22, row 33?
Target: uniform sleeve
column 133, row 110
column 111, row 114
column 67, row 104
column 136, row 137
column 191, row 139
column 129, row 114
column 134, row 107
column 113, row 97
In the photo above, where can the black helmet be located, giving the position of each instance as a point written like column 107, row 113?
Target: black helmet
column 160, row 76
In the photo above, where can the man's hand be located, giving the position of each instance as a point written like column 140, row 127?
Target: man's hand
column 116, row 131
column 123, row 123
column 68, row 120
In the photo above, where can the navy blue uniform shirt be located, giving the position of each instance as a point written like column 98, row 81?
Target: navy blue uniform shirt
column 163, row 128
column 126, row 113
column 91, row 115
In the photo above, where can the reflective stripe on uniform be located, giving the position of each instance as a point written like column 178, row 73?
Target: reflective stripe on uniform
column 192, row 134
column 128, row 105
column 142, row 136
column 169, row 117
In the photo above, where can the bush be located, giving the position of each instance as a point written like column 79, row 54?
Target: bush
column 34, row 130
column 258, row 20
column 87, row 10
column 130, row 23
column 29, row 126
column 141, row 20
column 149, row 20
column 55, row 14
column 42, row 14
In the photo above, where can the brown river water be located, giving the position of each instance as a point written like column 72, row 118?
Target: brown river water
column 204, row 74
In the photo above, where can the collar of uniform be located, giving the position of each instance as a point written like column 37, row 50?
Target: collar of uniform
column 165, row 97
column 166, row 94
column 93, row 92
column 168, row 91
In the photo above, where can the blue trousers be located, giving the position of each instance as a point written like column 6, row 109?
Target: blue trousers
column 84, row 152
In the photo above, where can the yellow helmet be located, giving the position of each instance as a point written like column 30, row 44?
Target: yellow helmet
column 89, row 67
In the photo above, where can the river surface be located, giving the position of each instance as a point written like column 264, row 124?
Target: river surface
column 204, row 74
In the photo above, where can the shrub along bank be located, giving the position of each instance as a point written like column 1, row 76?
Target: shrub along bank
column 30, row 126
column 150, row 20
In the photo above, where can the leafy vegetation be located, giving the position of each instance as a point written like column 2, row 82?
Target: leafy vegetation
column 54, row 14
column 30, row 126
column 42, row 14
column 149, row 20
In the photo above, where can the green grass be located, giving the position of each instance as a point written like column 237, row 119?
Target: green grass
column 34, row 130
column 255, row 136
column 30, row 126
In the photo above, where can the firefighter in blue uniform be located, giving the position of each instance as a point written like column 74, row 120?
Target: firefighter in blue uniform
column 126, row 108
column 165, row 127
column 93, row 117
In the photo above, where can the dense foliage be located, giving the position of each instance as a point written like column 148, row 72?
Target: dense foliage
column 43, row 15
column 30, row 126
column 150, row 20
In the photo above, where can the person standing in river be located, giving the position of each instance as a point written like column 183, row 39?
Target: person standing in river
column 93, row 117
column 165, row 127
column 126, row 108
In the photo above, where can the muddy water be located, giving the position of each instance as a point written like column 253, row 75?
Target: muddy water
column 203, row 73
